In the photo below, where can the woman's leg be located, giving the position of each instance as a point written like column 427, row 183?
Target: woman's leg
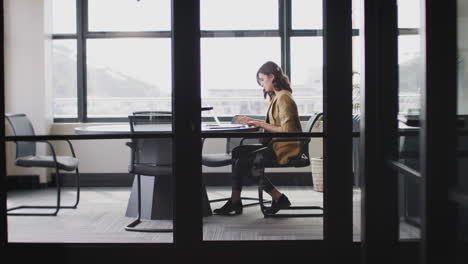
column 280, row 201
column 240, row 169
column 267, row 185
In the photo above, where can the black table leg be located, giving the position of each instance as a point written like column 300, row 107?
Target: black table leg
column 157, row 199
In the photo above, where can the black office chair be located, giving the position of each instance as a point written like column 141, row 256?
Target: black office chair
column 304, row 161
column 150, row 164
column 26, row 157
column 225, row 159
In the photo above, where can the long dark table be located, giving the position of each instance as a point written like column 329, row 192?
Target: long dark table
column 156, row 192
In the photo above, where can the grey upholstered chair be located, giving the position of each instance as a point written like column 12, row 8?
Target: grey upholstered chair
column 147, row 160
column 304, row 161
column 26, row 157
column 225, row 158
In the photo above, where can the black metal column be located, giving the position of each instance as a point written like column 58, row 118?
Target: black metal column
column 186, row 106
column 438, row 131
column 338, row 231
column 379, row 134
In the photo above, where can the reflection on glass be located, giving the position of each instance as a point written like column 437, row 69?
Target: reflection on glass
column 306, row 14
column 357, row 55
column 410, row 81
column 126, row 75
column 228, row 68
column 64, row 16
column 462, row 110
column 129, row 15
column 409, row 60
column 238, row 15
column 307, row 73
column 64, row 78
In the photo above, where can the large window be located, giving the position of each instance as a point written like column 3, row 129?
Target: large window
column 112, row 57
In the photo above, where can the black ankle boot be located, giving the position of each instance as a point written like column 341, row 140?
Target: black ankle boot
column 230, row 208
column 282, row 203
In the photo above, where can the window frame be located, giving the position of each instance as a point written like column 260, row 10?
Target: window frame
column 284, row 32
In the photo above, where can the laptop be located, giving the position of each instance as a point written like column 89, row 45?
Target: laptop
column 220, row 125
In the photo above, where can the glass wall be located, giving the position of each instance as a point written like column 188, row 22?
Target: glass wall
column 462, row 112
column 107, row 59
column 233, row 47
column 358, row 67
column 410, row 85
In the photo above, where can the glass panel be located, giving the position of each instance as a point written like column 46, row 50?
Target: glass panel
column 238, row 15
column 307, row 73
column 410, row 81
column 64, row 16
column 228, row 78
column 229, row 85
column 129, row 15
column 64, row 78
column 409, row 60
column 462, row 112
column 358, row 67
column 306, row 14
column 126, row 75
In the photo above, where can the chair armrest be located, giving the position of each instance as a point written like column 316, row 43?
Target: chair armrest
column 70, row 145
column 72, row 150
column 132, row 153
column 52, row 149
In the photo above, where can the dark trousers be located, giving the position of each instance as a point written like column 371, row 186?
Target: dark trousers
column 245, row 166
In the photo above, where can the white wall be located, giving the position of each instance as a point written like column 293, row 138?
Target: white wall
column 27, row 81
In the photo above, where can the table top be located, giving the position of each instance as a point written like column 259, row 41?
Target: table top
column 125, row 128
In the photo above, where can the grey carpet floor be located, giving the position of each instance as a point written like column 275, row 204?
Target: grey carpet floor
column 100, row 218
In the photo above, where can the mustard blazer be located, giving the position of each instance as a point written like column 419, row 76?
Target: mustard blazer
column 283, row 112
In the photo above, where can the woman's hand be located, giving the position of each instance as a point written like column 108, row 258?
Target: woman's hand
column 256, row 123
column 243, row 119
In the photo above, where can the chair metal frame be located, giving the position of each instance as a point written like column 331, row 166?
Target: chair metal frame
column 262, row 167
column 58, row 206
column 228, row 151
column 133, row 225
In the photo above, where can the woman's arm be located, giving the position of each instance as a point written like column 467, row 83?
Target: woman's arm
column 245, row 119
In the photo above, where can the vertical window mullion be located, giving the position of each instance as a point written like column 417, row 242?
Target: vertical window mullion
column 81, row 33
column 186, row 105
column 379, row 131
column 337, row 94
column 285, row 34
column 438, row 140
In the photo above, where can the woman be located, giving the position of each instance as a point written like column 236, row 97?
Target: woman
column 282, row 117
